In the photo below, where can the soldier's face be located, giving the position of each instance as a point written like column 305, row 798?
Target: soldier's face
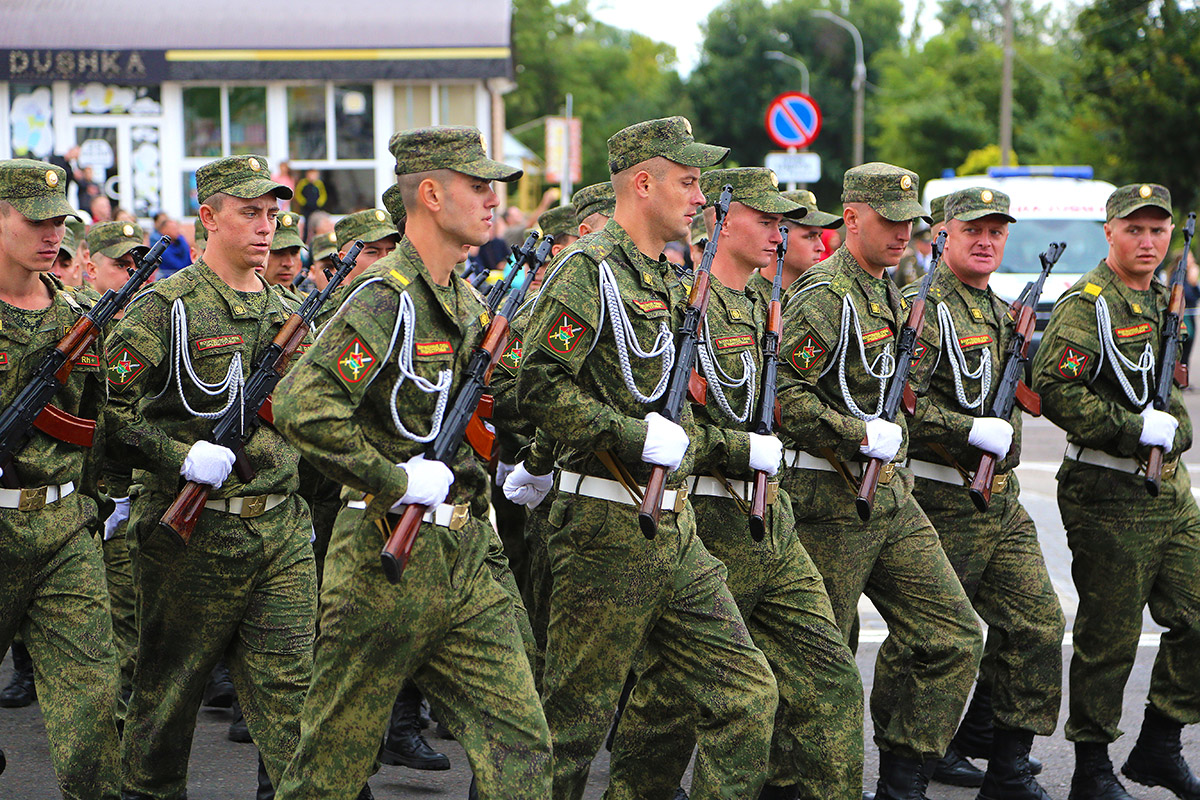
column 109, row 273
column 975, row 248
column 243, row 230
column 66, row 270
column 751, row 236
column 371, row 252
column 1138, row 243
column 805, row 248
column 282, row 266
column 877, row 241
column 675, row 198
column 30, row 245
column 467, row 204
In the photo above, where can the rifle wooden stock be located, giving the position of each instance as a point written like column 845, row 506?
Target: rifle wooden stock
column 758, row 507
column 182, row 515
column 398, row 549
column 981, row 484
column 289, row 339
column 866, row 489
column 652, row 501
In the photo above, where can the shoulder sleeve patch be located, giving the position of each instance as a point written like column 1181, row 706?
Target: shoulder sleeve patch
column 1072, row 362
column 510, row 359
column 565, row 334
column 125, row 365
column 356, row 362
column 919, row 351
column 808, row 353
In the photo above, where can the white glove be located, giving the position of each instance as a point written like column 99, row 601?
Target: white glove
column 766, row 453
column 666, row 442
column 119, row 515
column 883, row 439
column 1158, row 428
column 502, row 472
column 991, row 434
column 526, row 489
column 208, row 463
column 428, row 483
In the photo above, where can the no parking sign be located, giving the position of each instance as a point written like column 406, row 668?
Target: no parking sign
column 793, row 120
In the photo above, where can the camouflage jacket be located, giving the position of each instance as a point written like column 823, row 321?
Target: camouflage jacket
column 337, row 404
column 815, row 412
column 982, row 329
column 908, row 270
column 149, row 381
column 1076, row 375
column 25, row 339
column 571, row 379
column 758, row 289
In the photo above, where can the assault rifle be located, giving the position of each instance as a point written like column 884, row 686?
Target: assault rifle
column 1169, row 367
column 242, row 419
column 765, row 424
column 685, row 360
column 896, row 388
column 1012, row 389
column 31, row 407
column 459, row 416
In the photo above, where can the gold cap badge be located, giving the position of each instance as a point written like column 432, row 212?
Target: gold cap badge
column 986, row 195
column 379, row 215
column 1145, row 191
column 51, row 178
column 252, row 163
column 774, row 179
column 905, row 182
column 687, row 126
column 127, row 230
column 286, row 220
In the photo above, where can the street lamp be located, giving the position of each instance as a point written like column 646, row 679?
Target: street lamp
column 776, row 55
column 860, row 78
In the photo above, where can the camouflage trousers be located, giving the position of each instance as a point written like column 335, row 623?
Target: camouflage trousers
column 897, row 560
column 817, row 742
column 1129, row 550
column 122, row 597
column 52, row 593
column 323, row 496
column 538, row 580
column 510, row 524
column 617, row 593
column 243, row 589
column 451, row 627
column 498, row 564
column 999, row 561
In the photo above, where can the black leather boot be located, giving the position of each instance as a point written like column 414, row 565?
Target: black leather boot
column 20, row 691
column 1157, row 759
column 973, row 739
column 266, row 791
column 1094, row 778
column 405, row 746
column 219, row 691
column 239, row 731
column 779, row 793
column 955, row 770
column 901, row 778
column 680, row 794
column 365, row 793
column 3, row 762
column 1008, row 776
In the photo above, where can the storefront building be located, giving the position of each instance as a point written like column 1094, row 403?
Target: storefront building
column 151, row 91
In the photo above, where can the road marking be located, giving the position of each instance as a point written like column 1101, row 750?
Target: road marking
column 874, row 635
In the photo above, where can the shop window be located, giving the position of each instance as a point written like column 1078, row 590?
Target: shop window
column 456, row 105
column 247, row 120
column 307, row 132
column 202, row 121
column 413, row 107
column 354, row 121
column 102, row 98
column 31, row 111
column 346, row 190
column 224, row 121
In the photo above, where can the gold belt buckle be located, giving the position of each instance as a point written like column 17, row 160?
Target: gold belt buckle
column 999, row 483
column 253, row 506
column 681, row 497
column 1168, row 470
column 32, row 499
column 772, row 492
column 886, row 472
column 459, row 517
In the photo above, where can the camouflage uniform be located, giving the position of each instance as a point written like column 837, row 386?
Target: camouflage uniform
column 817, row 743
column 51, row 580
column 1128, row 549
column 244, row 588
column 614, row 591
column 895, row 558
column 448, row 624
column 996, row 553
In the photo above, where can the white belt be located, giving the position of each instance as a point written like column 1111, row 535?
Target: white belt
column 604, row 489
column 798, row 459
column 36, row 498
column 247, row 507
column 944, row 474
column 1099, row 458
column 444, row 515
column 712, row 487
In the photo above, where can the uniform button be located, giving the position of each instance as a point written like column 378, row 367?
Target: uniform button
column 238, row 309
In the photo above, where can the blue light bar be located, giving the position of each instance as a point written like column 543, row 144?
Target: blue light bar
column 1079, row 171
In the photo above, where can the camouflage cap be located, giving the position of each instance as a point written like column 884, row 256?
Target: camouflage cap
column 599, row 198
column 558, row 221
column 69, row 243
column 976, row 203
column 1131, row 197
column 287, row 232
column 115, row 239
column 324, row 246
column 937, row 209
column 699, row 230
column 240, row 176
column 201, row 233
column 395, row 205
column 456, row 147
column 815, row 217
column 890, row 190
column 76, row 226
column 756, row 187
column 369, row 226
column 670, row 138
column 36, row 189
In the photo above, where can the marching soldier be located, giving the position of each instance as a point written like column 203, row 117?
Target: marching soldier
column 52, row 588
column 244, row 586
column 840, row 329
column 804, row 249
column 995, row 554
column 360, row 405
column 1095, row 371
column 598, row 349
column 817, row 748
column 374, row 228
column 283, row 263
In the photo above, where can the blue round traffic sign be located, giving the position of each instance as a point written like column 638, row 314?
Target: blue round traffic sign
column 793, row 120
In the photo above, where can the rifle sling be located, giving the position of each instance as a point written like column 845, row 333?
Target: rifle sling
column 840, row 468
column 621, row 475
column 944, row 454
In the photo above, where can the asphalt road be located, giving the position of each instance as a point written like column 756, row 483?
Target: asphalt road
column 222, row 770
